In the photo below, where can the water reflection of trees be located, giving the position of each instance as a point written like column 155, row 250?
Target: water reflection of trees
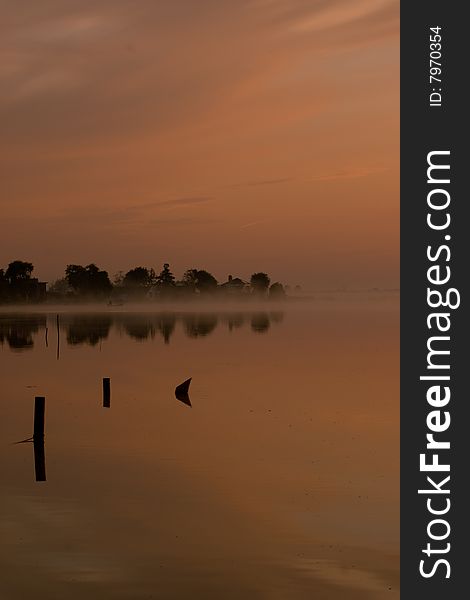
column 199, row 325
column 143, row 327
column 167, row 324
column 139, row 329
column 260, row 322
column 234, row 320
column 18, row 330
column 90, row 329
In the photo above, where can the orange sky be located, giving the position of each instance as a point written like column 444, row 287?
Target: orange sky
column 229, row 135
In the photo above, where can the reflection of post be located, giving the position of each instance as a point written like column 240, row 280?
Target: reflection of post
column 58, row 338
column 39, row 417
column 106, row 392
column 39, row 459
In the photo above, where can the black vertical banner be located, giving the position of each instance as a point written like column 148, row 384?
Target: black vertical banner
column 435, row 250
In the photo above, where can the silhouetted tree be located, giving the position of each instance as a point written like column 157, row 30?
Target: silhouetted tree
column 59, row 287
column 260, row 283
column 77, row 278
column 206, row 282
column 166, row 279
column 276, row 291
column 190, row 278
column 18, row 270
column 201, row 280
column 88, row 280
column 139, row 278
column 3, row 285
column 17, row 284
column 118, row 278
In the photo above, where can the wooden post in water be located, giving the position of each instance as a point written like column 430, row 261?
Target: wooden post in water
column 106, row 392
column 39, row 417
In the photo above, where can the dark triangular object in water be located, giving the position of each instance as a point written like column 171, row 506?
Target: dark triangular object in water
column 182, row 392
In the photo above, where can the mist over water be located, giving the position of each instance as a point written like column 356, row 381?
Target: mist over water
column 279, row 481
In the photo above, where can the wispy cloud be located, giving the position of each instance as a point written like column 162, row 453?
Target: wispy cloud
column 252, row 224
column 133, row 214
column 126, row 117
column 177, row 202
column 261, row 182
column 338, row 13
column 196, row 220
column 352, row 173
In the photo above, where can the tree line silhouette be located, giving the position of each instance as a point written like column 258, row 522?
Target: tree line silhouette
column 90, row 282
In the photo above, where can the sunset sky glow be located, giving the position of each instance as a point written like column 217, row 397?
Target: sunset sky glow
column 234, row 136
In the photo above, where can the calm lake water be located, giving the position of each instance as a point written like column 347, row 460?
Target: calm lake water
column 281, row 481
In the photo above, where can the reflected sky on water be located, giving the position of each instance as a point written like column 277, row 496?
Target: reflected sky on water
column 281, row 481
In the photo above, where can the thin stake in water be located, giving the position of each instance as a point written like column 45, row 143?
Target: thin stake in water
column 39, row 417
column 38, row 438
column 106, row 392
